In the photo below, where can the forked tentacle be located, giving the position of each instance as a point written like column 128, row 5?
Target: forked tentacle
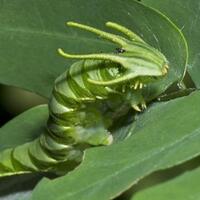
column 109, row 36
column 101, row 56
column 126, row 31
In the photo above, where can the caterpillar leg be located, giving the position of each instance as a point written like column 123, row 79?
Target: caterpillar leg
column 136, row 100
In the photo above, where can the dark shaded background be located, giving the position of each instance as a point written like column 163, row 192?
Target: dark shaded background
column 14, row 101
column 4, row 114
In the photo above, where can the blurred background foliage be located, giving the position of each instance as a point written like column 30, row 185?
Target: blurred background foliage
column 14, row 101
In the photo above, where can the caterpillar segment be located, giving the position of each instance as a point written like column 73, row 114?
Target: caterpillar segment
column 86, row 99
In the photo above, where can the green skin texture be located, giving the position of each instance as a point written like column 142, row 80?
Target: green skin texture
column 86, row 99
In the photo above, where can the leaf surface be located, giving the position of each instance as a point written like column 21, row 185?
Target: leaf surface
column 184, row 187
column 108, row 171
column 186, row 15
column 32, row 31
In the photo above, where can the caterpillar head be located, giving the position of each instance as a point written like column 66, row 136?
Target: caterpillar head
column 141, row 62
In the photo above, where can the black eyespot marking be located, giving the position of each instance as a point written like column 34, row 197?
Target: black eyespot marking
column 120, row 50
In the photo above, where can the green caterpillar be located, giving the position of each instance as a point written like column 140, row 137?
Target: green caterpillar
column 86, row 99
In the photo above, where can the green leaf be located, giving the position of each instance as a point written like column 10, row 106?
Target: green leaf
column 184, row 187
column 165, row 135
column 23, row 128
column 31, row 31
column 186, row 14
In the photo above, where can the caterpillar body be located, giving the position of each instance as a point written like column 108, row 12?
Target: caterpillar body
column 86, row 99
